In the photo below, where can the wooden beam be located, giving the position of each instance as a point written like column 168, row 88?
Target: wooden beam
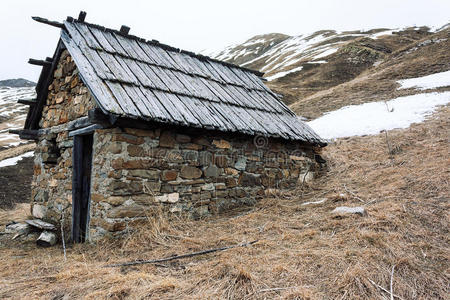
column 48, row 22
column 85, row 130
column 26, row 134
column 27, row 101
column 39, row 62
column 96, row 116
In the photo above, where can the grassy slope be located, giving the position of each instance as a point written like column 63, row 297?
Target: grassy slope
column 302, row 249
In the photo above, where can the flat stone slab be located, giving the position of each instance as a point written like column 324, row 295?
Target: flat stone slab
column 46, row 239
column 342, row 210
column 40, row 224
column 20, row 228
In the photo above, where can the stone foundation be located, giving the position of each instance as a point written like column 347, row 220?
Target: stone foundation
column 136, row 171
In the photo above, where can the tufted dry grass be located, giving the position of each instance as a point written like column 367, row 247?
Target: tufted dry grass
column 303, row 252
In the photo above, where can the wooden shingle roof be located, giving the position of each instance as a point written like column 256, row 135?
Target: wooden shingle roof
column 134, row 78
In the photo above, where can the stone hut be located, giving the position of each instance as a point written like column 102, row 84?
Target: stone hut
column 125, row 126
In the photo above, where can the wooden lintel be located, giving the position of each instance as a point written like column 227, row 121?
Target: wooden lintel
column 86, row 130
column 27, row 101
column 39, row 62
column 48, row 22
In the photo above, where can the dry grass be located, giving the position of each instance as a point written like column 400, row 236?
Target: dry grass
column 303, row 253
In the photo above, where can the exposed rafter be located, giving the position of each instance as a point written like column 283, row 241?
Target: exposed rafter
column 48, row 22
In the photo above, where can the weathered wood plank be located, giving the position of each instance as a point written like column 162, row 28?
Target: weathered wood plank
column 86, row 33
column 126, row 45
column 182, row 108
column 114, row 43
column 98, row 34
column 138, row 100
column 156, row 55
column 155, row 81
column 171, row 109
column 119, row 72
column 223, row 95
column 122, row 97
column 140, row 74
column 166, row 79
column 141, row 55
column 155, row 105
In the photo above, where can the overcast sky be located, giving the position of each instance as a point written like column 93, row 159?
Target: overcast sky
column 197, row 25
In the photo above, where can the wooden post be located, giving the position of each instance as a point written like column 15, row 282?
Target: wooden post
column 82, row 16
column 124, row 30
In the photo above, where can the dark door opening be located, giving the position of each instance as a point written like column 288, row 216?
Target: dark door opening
column 81, row 186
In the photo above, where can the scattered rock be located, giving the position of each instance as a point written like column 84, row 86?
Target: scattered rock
column 350, row 210
column 320, row 201
column 18, row 228
column 46, row 239
column 40, row 224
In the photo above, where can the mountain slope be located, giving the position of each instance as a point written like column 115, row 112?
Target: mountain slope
column 12, row 114
column 19, row 82
column 303, row 67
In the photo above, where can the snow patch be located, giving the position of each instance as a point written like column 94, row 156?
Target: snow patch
column 326, row 53
column 427, row 82
column 284, row 73
column 371, row 118
column 13, row 160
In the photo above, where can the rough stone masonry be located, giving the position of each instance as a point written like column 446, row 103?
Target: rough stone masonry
column 136, row 172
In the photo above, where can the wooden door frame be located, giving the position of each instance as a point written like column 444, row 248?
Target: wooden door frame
column 82, row 156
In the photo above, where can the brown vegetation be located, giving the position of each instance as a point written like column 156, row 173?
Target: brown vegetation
column 304, row 252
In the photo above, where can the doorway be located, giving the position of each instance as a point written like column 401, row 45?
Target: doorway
column 81, row 186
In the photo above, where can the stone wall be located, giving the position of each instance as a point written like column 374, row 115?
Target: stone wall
column 68, row 99
column 136, row 172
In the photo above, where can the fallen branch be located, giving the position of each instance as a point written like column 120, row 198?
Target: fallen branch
column 353, row 194
column 154, row 261
column 274, row 289
column 392, row 279
column 384, row 290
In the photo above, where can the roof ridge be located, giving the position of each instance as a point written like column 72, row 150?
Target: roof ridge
column 165, row 46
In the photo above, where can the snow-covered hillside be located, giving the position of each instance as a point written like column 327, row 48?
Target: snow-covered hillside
column 12, row 114
column 278, row 55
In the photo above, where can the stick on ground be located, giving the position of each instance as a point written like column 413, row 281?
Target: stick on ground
column 159, row 260
column 384, row 290
column 392, row 279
